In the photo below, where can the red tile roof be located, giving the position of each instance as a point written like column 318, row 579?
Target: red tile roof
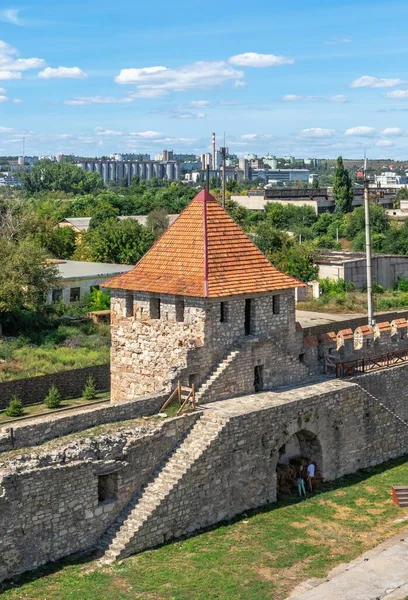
column 204, row 253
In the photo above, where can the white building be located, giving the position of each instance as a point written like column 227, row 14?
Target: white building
column 79, row 278
column 390, row 179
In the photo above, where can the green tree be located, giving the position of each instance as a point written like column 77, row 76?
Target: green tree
column 157, row 222
column 355, row 221
column 61, row 242
column 115, row 241
column 26, row 277
column 53, row 398
column 14, row 408
column 298, row 260
column 52, row 176
column 342, row 188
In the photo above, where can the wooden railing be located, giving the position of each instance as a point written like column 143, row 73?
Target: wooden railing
column 185, row 396
column 365, row 365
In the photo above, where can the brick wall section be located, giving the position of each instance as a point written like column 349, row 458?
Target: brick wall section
column 55, row 509
column 69, row 383
column 47, row 513
column 37, row 431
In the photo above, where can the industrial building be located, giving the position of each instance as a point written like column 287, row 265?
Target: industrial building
column 118, row 171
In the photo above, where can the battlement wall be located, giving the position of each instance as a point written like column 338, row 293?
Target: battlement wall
column 51, row 504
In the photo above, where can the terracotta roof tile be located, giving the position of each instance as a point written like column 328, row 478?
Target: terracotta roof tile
column 204, row 253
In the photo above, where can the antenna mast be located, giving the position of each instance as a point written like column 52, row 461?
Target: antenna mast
column 370, row 308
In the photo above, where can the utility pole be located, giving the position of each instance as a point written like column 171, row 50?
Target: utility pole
column 370, row 308
column 224, row 159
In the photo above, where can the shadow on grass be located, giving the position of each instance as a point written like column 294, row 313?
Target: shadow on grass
column 86, row 557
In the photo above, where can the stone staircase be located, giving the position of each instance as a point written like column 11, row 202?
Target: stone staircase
column 132, row 530
column 217, row 373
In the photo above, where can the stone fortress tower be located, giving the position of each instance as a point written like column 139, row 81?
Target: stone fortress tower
column 204, row 306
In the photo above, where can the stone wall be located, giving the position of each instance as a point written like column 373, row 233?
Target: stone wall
column 149, row 354
column 50, row 502
column 352, row 323
column 69, row 383
column 36, row 431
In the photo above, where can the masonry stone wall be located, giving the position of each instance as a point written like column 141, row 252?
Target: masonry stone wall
column 149, row 354
column 21, row 434
column 50, row 502
column 69, row 383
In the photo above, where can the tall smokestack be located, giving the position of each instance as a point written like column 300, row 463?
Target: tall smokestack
column 214, row 158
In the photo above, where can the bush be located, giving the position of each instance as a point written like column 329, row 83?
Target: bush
column 89, row 392
column 402, row 284
column 53, row 398
column 14, row 408
column 333, row 288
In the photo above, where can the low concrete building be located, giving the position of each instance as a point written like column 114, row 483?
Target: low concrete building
column 78, row 278
column 351, row 266
column 81, row 224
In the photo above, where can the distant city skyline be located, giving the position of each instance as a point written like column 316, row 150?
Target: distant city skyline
column 309, row 80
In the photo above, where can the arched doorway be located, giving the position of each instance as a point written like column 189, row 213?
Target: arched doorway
column 298, row 449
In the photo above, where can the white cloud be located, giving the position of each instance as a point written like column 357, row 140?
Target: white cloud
column 398, row 94
column 6, row 75
column 11, row 15
column 148, row 93
column 62, row 73
column 384, row 143
column 338, row 98
column 375, row 82
column 360, row 131
column 3, row 98
column 150, row 135
column 84, row 100
column 12, row 67
column 253, row 59
column 296, row 98
column 199, row 103
column 101, row 131
column 317, row 132
column 155, row 81
column 17, row 100
column 338, row 40
column 6, row 130
column 393, row 132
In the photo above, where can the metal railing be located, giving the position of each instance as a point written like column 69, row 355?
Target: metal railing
column 369, row 363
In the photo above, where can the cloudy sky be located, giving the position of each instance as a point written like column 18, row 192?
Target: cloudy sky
column 305, row 78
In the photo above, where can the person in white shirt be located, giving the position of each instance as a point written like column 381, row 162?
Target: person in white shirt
column 310, row 474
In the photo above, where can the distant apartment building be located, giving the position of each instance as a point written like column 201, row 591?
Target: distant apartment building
column 117, row 171
column 8, row 180
column 390, row 179
column 280, row 176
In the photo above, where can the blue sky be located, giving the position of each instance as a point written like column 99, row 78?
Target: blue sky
column 307, row 79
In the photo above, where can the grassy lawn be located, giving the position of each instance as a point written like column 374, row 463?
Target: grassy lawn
column 260, row 556
column 35, row 410
column 67, row 346
column 356, row 302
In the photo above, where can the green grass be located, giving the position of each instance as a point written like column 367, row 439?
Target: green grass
column 260, row 556
column 34, row 410
column 63, row 348
column 356, row 302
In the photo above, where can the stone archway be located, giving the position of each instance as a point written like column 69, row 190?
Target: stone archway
column 300, row 446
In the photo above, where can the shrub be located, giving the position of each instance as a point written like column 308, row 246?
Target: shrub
column 89, row 392
column 14, row 408
column 402, row 284
column 53, row 398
